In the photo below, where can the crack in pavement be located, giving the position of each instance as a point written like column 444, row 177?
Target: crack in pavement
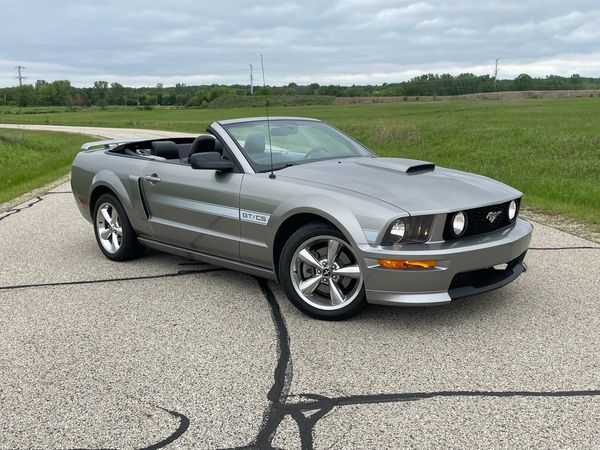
column 184, row 421
column 13, row 211
column 318, row 405
column 39, row 198
column 184, row 424
column 583, row 247
column 112, row 280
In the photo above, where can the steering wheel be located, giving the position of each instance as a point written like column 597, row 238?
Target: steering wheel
column 315, row 152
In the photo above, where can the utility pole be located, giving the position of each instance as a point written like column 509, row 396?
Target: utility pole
column 496, row 73
column 20, row 76
column 251, row 81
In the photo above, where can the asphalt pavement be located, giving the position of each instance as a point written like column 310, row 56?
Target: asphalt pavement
column 162, row 352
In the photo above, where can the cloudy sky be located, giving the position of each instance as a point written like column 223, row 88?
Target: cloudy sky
column 143, row 42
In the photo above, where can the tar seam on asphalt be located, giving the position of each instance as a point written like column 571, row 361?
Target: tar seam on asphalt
column 184, row 421
column 112, row 280
column 318, row 405
column 277, row 396
column 38, row 199
column 14, row 211
column 566, row 248
column 184, row 424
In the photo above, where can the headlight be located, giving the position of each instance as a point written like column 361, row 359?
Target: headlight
column 409, row 229
column 459, row 223
column 398, row 230
column 512, row 210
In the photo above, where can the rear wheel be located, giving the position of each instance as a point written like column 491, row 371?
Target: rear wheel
column 320, row 273
column 114, row 234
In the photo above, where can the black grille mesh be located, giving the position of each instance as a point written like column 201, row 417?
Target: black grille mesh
column 478, row 222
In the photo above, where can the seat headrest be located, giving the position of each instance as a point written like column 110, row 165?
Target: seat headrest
column 165, row 149
column 203, row 143
column 255, row 143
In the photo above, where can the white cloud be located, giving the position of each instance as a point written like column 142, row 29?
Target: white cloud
column 138, row 42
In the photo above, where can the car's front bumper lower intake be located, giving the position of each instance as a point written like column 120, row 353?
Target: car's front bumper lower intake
column 463, row 268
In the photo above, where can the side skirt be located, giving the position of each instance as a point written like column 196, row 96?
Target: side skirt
column 210, row 259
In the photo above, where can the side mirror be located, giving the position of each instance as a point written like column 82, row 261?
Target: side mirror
column 211, row 161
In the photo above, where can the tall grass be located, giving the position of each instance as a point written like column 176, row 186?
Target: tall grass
column 547, row 148
column 31, row 159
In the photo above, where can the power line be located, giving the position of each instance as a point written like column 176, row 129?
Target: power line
column 20, row 75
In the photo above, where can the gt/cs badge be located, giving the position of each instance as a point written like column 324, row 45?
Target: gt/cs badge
column 255, row 217
column 493, row 215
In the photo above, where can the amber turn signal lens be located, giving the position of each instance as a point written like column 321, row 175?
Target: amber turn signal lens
column 407, row 264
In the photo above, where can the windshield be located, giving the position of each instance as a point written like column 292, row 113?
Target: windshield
column 292, row 142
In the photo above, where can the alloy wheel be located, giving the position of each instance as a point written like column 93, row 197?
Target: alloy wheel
column 108, row 226
column 325, row 273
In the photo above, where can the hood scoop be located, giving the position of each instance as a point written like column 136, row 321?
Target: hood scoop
column 407, row 166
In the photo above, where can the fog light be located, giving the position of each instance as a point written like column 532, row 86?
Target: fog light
column 512, row 210
column 459, row 223
column 407, row 263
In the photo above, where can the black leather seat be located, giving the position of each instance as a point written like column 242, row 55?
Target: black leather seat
column 165, row 149
column 203, row 144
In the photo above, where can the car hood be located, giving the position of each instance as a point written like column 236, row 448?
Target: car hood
column 417, row 187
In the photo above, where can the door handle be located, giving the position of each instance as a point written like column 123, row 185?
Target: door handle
column 152, row 178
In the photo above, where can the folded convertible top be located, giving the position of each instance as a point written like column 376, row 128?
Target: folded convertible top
column 111, row 143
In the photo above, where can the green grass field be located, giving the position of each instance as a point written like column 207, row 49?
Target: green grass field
column 30, row 159
column 547, row 148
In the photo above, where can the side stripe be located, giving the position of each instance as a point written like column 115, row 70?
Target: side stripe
column 230, row 212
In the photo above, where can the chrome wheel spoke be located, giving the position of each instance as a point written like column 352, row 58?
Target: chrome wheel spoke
column 119, row 231
column 333, row 248
column 337, row 298
column 114, row 215
column 106, row 216
column 348, row 271
column 105, row 234
column 308, row 286
column 115, row 241
column 306, row 257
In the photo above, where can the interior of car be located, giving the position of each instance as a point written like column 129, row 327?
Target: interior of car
column 178, row 150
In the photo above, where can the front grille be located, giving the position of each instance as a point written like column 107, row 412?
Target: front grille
column 478, row 220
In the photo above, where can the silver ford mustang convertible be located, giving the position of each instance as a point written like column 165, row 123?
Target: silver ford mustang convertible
column 298, row 201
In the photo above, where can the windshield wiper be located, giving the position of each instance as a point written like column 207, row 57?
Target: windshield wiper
column 277, row 167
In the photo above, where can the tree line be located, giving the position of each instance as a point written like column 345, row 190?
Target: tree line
column 102, row 94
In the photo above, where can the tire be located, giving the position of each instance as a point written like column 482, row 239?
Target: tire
column 114, row 234
column 320, row 288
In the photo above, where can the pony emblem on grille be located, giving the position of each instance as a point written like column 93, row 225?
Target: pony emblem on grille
column 493, row 215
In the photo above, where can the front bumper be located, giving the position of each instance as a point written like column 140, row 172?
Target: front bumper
column 464, row 267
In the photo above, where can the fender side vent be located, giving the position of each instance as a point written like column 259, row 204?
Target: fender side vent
column 428, row 167
column 143, row 198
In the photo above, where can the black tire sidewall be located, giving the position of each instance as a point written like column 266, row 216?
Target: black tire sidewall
column 130, row 247
column 300, row 236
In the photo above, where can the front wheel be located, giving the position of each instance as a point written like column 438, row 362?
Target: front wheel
column 320, row 273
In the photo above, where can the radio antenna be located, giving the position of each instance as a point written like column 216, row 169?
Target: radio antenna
column 262, row 65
